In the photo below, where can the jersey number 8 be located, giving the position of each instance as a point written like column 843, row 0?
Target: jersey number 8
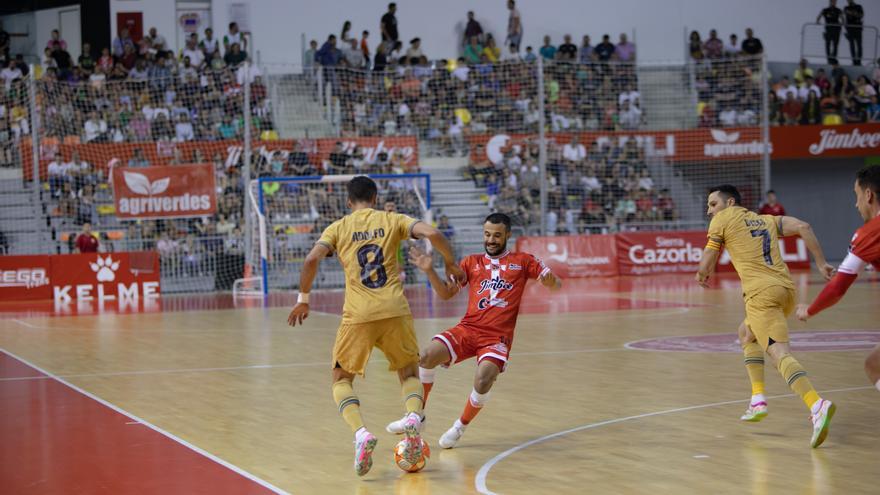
column 369, row 266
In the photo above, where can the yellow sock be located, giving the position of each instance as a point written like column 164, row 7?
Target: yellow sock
column 413, row 394
column 348, row 403
column 796, row 378
column 754, row 360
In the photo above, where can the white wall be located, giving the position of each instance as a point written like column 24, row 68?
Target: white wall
column 658, row 24
column 39, row 25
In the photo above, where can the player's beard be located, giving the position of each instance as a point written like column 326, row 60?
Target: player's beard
column 494, row 250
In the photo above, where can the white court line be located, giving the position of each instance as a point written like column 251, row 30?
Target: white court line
column 41, row 327
column 227, row 465
column 164, row 371
column 483, row 473
column 259, row 366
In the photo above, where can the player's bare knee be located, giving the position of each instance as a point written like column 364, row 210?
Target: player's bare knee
column 340, row 374
column 434, row 354
column 482, row 384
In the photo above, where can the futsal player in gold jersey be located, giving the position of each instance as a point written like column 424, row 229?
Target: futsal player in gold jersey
column 752, row 241
column 376, row 313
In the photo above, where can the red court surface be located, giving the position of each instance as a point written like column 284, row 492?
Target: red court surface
column 54, row 439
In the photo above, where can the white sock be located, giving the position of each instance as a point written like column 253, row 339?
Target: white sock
column 459, row 425
column 758, row 398
column 479, row 400
column 427, row 375
column 878, row 385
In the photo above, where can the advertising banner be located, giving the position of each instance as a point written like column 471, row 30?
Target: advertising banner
column 101, row 277
column 640, row 253
column 164, row 192
column 105, row 276
column 574, row 256
column 24, row 278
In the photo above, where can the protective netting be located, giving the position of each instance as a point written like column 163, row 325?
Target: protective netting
column 294, row 211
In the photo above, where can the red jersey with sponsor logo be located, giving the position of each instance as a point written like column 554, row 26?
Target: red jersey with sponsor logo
column 496, row 287
column 866, row 243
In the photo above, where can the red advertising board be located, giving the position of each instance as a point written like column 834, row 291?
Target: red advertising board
column 703, row 145
column 645, row 253
column 574, row 256
column 105, row 276
column 100, row 277
column 160, row 153
column 816, row 141
column 25, row 277
column 639, row 253
column 166, row 192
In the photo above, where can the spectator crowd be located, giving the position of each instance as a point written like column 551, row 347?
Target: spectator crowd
column 591, row 188
column 490, row 87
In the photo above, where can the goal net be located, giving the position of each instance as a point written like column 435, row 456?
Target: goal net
column 290, row 213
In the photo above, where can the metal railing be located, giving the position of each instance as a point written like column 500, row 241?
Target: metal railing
column 822, row 41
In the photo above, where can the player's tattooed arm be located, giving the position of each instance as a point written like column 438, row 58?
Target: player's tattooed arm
column 795, row 226
column 444, row 288
column 707, row 266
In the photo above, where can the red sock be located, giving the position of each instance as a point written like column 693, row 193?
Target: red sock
column 470, row 411
column 427, row 387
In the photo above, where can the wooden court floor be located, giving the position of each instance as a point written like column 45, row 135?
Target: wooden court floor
column 577, row 410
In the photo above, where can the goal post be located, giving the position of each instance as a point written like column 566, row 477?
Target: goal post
column 289, row 214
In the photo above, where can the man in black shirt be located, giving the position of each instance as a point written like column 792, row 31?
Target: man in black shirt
column 833, row 19
column 473, row 28
column 605, row 49
column 568, row 50
column 752, row 45
column 388, row 26
column 854, row 14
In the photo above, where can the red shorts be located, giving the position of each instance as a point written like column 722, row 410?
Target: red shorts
column 465, row 343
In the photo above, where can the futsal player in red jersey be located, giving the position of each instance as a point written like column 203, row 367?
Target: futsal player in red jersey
column 864, row 249
column 496, row 282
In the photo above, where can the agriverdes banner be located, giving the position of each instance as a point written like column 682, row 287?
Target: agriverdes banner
column 163, row 192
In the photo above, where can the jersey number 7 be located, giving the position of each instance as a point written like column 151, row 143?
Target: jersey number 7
column 765, row 244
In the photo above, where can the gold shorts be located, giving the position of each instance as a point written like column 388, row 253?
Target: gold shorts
column 766, row 314
column 395, row 337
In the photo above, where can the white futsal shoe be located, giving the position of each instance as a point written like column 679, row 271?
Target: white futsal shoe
column 452, row 435
column 398, row 427
column 821, row 421
column 364, row 445
column 412, row 452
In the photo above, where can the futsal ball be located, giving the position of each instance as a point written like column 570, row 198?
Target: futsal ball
column 406, row 466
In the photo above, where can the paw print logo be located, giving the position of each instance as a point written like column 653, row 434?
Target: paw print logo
column 105, row 268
